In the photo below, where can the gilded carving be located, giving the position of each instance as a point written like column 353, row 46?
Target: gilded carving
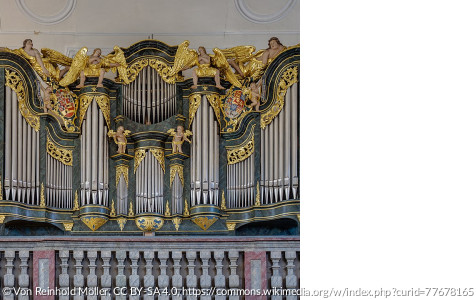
column 177, row 221
column 68, row 226
column 258, row 196
column 149, row 223
column 84, row 102
column 243, row 151
column 131, row 210
column 42, row 196
column 13, row 80
column 122, row 170
column 231, row 226
column 138, row 157
column 194, row 103
column 167, row 209
column 223, row 201
column 63, row 155
column 214, row 101
column 134, row 69
column 159, row 155
column 186, row 212
column 103, row 103
column 176, row 169
column 113, row 209
column 289, row 77
column 2, row 219
column 76, row 201
column 205, row 222
column 121, row 222
column 94, row 222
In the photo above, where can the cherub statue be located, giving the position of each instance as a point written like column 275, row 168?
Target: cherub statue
column 120, row 138
column 47, row 106
column 254, row 95
column 84, row 66
column 178, row 138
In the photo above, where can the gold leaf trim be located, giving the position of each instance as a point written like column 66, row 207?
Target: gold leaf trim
column 205, row 222
column 134, row 69
column 68, row 226
column 289, row 77
column 60, row 154
column 84, row 102
column 113, row 209
column 215, row 102
column 94, row 222
column 131, row 210
column 193, row 105
column 230, row 226
column 159, row 155
column 76, row 201
column 122, row 170
column 163, row 70
column 42, row 196
column 104, row 104
column 243, row 151
column 15, row 82
column 174, row 169
column 186, row 212
column 223, row 201
column 258, row 197
column 167, row 209
column 149, row 223
column 138, row 157
column 177, row 221
column 2, row 219
column 121, row 222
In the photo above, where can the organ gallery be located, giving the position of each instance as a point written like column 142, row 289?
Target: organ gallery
column 127, row 143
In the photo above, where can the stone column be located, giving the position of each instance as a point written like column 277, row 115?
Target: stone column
column 177, row 280
column 291, row 279
column 121, row 281
column 9, row 278
column 92, row 279
column 79, row 277
column 219, row 277
column 276, row 278
column 134, row 283
column 23, row 278
column 106, row 281
column 205, row 279
column 233, row 279
column 255, row 273
column 64, row 276
column 148, row 277
column 191, row 277
column 163, row 279
column 44, row 273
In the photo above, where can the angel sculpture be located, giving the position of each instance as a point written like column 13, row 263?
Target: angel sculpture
column 178, row 138
column 120, row 138
column 44, row 65
column 254, row 95
column 84, row 66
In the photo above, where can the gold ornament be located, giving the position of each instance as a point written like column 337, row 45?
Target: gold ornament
column 60, row 154
column 243, row 151
column 149, row 223
column 159, row 155
column 94, row 222
column 186, row 213
column 16, row 83
column 167, row 209
column 138, row 157
column 177, row 221
column 113, row 209
column 2, row 219
column 223, row 202
column 205, row 222
column 176, row 169
column 76, row 201
column 68, row 226
column 289, row 77
column 131, row 210
column 42, row 196
column 230, row 226
column 194, row 103
column 121, row 222
column 122, row 170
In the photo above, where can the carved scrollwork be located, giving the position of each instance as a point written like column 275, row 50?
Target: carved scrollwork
column 194, row 103
column 174, row 169
column 243, row 151
column 134, row 69
column 122, row 170
column 289, row 77
column 103, row 103
column 63, row 155
column 159, row 155
column 214, row 101
column 138, row 157
column 15, row 82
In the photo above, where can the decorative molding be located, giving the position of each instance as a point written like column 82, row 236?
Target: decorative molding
column 177, row 221
column 68, row 226
column 60, row 154
column 242, row 151
column 159, row 155
column 149, row 223
column 205, row 222
column 230, row 226
column 2, row 219
column 138, row 157
column 257, row 200
column 113, row 209
column 76, row 201
column 94, row 222
column 223, row 201
column 174, row 169
column 186, row 212
column 47, row 20
column 121, row 222
column 42, row 196
column 122, row 170
column 251, row 16
column 194, row 103
column 289, row 77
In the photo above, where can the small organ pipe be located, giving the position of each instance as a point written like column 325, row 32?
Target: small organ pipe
column 294, row 136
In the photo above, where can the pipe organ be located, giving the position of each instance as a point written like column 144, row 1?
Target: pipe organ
column 94, row 158
column 21, row 154
column 279, row 149
column 149, row 186
column 204, row 156
column 149, row 99
column 150, row 152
